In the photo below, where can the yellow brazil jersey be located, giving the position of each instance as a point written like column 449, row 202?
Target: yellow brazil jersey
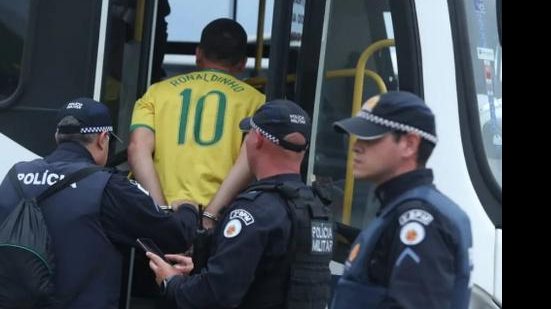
column 195, row 118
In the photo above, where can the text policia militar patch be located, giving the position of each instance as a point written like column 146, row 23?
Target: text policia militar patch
column 322, row 237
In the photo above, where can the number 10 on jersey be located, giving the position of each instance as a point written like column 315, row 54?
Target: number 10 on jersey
column 198, row 120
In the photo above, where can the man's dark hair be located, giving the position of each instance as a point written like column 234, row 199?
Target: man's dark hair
column 224, row 40
column 424, row 151
column 83, row 139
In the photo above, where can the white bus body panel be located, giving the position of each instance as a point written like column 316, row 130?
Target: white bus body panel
column 448, row 160
column 12, row 153
column 499, row 269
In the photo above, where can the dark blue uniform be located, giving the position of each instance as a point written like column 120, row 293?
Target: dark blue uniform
column 248, row 258
column 415, row 254
column 86, row 220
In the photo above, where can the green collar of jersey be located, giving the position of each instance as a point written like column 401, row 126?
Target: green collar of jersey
column 217, row 70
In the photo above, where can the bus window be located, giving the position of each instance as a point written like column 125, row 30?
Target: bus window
column 14, row 18
column 352, row 27
column 487, row 62
column 186, row 22
column 293, row 50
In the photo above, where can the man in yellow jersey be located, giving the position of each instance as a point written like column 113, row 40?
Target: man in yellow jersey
column 185, row 133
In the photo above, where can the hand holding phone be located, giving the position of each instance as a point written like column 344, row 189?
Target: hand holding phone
column 148, row 245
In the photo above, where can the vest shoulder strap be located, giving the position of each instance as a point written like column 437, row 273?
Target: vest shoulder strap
column 262, row 187
column 299, row 194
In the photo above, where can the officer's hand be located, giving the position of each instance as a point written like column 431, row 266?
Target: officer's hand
column 182, row 263
column 161, row 268
column 176, row 204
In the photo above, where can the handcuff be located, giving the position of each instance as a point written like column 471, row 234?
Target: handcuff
column 211, row 216
column 166, row 208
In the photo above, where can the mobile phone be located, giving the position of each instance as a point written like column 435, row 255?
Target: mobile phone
column 148, row 245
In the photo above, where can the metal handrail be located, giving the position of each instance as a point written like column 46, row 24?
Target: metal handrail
column 352, row 72
column 259, row 37
column 259, row 81
column 356, row 105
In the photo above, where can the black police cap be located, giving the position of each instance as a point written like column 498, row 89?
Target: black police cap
column 394, row 110
column 277, row 119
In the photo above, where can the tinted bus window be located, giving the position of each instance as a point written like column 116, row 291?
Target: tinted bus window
column 353, row 26
column 14, row 17
column 487, row 63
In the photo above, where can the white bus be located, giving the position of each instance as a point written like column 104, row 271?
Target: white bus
column 327, row 55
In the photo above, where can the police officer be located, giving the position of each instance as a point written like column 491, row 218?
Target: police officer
column 415, row 254
column 87, row 219
column 276, row 225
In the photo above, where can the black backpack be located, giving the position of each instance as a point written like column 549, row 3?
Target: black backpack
column 26, row 253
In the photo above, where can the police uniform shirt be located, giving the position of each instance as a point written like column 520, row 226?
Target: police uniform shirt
column 87, row 221
column 414, row 257
column 195, row 118
column 251, row 240
column 126, row 211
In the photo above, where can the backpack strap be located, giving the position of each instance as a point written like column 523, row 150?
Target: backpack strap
column 66, row 181
column 262, row 187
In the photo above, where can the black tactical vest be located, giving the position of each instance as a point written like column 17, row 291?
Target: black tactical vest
column 310, row 251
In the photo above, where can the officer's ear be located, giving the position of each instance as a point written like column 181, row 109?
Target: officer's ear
column 410, row 145
column 256, row 138
column 102, row 141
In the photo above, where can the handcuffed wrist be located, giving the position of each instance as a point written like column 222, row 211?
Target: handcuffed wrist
column 211, row 216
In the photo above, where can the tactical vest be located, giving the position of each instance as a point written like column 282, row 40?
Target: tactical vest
column 310, row 251
column 355, row 290
column 73, row 220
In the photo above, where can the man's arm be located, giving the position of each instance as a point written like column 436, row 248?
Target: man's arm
column 140, row 159
column 239, row 177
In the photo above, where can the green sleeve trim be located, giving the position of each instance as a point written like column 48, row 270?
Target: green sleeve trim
column 140, row 125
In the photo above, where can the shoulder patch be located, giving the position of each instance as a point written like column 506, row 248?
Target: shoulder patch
column 242, row 215
column 412, row 233
column 232, row 228
column 418, row 215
